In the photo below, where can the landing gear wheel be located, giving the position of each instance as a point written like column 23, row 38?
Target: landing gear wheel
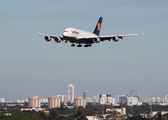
column 79, row 45
column 86, row 46
column 73, row 45
column 89, row 45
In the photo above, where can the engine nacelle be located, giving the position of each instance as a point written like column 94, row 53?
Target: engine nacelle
column 115, row 39
column 47, row 38
column 96, row 40
column 57, row 39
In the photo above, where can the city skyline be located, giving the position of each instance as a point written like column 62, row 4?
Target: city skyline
column 70, row 97
column 106, row 99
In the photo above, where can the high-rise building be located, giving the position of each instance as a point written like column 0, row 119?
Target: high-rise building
column 95, row 99
column 63, row 98
column 121, row 99
column 85, row 94
column 80, row 102
column 54, row 102
column 157, row 101
column 105, row 99
column 71, row 91
column 137, row 96
column 34, row 102
column 165, row 99
column 132, row 101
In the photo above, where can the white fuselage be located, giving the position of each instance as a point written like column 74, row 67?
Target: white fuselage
column 74, row 35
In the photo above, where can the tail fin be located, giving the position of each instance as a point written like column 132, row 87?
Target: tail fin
column 98, row 26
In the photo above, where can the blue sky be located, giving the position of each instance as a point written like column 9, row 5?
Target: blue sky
column 31, row 66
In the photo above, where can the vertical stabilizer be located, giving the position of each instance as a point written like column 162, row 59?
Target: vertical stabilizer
column 98, row 26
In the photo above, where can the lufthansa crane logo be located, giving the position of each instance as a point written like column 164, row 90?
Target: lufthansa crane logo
column 98, row 26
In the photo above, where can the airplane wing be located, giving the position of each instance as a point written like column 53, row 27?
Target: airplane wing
column 116, row 38
column 48, row 37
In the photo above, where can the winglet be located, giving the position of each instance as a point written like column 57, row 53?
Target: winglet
column 98, row 26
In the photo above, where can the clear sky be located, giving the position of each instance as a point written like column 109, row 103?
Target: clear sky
column 31, row 66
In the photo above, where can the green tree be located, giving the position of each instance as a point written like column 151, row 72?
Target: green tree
column 18, row 115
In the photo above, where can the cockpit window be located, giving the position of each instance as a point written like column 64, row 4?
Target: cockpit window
column 65, row 31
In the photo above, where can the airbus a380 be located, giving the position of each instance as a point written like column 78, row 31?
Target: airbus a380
column 76, row 36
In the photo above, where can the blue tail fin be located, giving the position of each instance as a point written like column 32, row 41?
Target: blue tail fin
column 98, row 26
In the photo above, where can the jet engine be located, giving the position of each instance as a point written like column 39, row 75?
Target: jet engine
column 115, row 39
column 47, row 38
column 96, row 40
column 57, row 39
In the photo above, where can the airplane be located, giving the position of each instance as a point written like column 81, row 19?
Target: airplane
column 77, row 36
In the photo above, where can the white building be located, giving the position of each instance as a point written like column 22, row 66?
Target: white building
column 20, row 101
column 120, row 110
column 105, row 99
column 93, row 118
column 111, row 100
column 132, row 101
column 166, row 99
column 102, row 98
column 71, row 90
column 158, row 100
column 63, row 98
column 153, row 100
column 2, row 100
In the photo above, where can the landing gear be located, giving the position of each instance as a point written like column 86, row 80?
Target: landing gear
column 90, row 45
column 73, row 45
column 79, row 45
column 87, row 45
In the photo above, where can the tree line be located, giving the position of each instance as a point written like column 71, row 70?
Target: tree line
column 80, row 113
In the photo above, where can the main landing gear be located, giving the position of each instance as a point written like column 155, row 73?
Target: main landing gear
column 73, row 45
column 87, row 45
column 79, row 45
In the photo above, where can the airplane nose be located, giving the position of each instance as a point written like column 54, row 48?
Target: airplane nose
column 64, row 34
